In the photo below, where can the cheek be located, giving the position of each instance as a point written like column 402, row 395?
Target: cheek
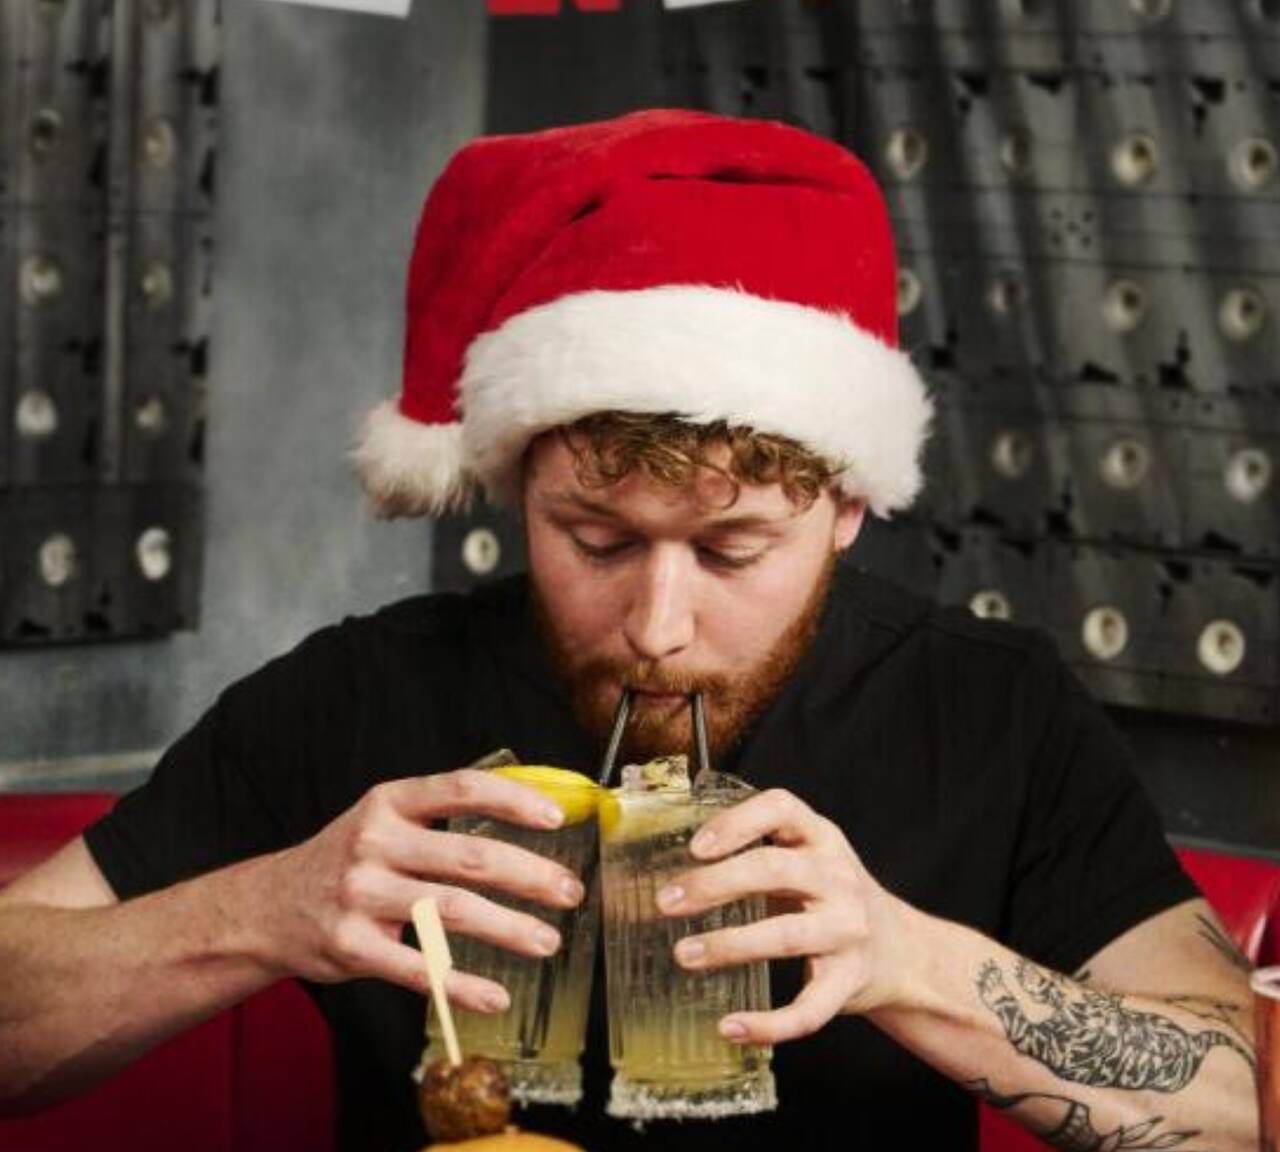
column 744, row 619
column 578, row 600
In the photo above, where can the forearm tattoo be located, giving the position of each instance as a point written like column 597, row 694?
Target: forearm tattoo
column 1222, row 943
column 1073, row 1128
column 1090, row 1037
column 1220, row 1012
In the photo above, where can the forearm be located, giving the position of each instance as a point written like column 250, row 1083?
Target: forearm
column 85, row 991
column 1078, row 1065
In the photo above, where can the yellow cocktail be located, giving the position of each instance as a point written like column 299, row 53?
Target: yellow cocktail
column 668, row 1057
column 539, row 1039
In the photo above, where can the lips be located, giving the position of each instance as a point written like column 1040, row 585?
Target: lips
column 660, row 697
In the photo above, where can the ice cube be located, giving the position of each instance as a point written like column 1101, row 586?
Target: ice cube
column 665, row 774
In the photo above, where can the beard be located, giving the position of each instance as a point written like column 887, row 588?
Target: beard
column 664, row 728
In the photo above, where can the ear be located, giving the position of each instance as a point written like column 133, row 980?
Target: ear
column 849, row 519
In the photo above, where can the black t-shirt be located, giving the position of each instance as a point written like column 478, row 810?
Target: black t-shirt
column 968, row 768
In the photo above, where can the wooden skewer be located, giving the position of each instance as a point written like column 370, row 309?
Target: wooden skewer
column 435, row 950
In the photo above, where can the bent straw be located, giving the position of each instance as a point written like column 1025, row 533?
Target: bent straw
column 435, row 950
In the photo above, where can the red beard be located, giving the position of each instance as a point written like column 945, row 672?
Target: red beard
column 663, row 728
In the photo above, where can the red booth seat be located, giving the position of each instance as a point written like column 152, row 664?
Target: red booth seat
column 259, row 1078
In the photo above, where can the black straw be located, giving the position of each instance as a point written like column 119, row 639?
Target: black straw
column 533, row 1039
column 620, row 718
column 535, row 1036
column 701, row 750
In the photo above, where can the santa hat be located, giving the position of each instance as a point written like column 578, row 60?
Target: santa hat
column 664, row 262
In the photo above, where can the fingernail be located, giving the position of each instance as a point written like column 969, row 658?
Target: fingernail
column 702, row 843
column 670, row 897
column 497, row 1001
column 690, row 951
column 732, row 1030
column 571, row 890
column 548, row 940
column 551, row 816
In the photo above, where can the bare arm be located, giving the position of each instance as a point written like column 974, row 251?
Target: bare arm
column 1154, row 1050
column 88, row 983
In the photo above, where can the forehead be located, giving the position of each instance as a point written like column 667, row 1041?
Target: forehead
column 552, row 482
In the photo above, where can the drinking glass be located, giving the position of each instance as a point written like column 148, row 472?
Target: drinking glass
column 668, row 1057
column 539, row 1038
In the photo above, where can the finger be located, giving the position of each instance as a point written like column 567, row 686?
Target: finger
column 470, row 791
column 769, row 870
column 367, row 948
column 479, row 861
column 475, row 993
column 776, row 938
column 390, row 898
column 818, row 1003
column 776, row 814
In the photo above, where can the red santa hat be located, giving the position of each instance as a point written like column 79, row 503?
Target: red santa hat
column 669, row 262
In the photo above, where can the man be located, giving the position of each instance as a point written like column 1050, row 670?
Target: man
column 670, row 338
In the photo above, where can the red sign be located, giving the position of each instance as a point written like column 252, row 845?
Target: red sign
column 548, row 7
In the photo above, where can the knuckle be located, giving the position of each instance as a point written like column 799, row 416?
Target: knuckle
column 366, row 842
column 790, row 806
column 474, row 857
column 378, row 800
column 353, row 887
column 778, row 797
column 346, row 942
column 452, row 906
column 461, row 787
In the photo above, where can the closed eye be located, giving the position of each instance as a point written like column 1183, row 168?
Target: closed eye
column 709, row 557
column 600, row 552
column 713, row 558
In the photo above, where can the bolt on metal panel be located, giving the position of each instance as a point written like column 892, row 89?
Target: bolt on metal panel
column 1084, row 200
column 106, row 187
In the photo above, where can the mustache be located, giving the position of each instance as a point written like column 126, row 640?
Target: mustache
column 645, row 676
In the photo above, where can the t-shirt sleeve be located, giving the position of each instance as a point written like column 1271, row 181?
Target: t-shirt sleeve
column 1091, row 859
column 241, row 783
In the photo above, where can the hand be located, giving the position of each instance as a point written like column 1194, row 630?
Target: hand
column 830, row 911
column 337, row 903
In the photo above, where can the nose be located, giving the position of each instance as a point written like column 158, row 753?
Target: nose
column 660, row 618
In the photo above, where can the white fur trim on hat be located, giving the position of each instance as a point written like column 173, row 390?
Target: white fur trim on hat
column 409, row 468
column 706, row 354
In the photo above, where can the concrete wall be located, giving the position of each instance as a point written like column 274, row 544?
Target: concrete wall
column 333, row 126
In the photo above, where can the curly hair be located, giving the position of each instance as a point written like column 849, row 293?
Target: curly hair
column 608, row 446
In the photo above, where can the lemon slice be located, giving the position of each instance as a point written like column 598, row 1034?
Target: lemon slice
column 576, row 795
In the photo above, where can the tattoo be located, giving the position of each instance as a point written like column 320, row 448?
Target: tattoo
column 1091, row 1038
column 1222, row 1012
column 1074, row 1130
column 1222, row 943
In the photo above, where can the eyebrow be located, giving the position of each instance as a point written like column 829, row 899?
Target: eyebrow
column 740, row 523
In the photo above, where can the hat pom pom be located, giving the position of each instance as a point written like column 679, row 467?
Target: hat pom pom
column 409, row 468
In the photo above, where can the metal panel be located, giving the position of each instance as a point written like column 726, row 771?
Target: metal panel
column 340, row 121
column 108, row 245
column 1072, row 290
